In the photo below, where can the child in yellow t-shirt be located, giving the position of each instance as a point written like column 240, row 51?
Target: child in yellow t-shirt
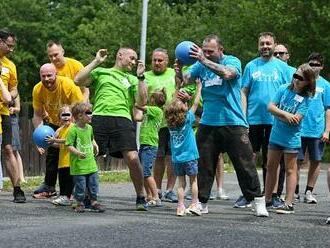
column 64, row 177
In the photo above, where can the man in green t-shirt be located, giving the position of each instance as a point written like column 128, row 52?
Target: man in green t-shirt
column 158, row 78
column 115, row 93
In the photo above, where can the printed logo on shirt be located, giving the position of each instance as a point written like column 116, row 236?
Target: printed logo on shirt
column 4, row 70
column 126, row 83
column 318, row 91
column 260, row 76
column 290, row 105
column 214, row 81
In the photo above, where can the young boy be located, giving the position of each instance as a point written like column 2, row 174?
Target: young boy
column 82, row 148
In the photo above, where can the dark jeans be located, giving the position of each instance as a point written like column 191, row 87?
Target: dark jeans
column 65, row 181
column 83, row 182
column 51, row 163
column 234, row 140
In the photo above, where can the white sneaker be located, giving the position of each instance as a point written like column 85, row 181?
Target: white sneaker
column 62, row 200
column 203, row 208
column 221, row 195
column 259, row 205
column 309, row 198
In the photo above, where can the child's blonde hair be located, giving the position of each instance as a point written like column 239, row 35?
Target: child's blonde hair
column 175, row 113
column 159, row 97
column 61, row 110
column 80, row 108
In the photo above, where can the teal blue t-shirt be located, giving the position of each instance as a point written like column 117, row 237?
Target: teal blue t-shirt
column 263, row 78
column 313, row 124
column 283, row 133
column 222, row 102
column 183, row 141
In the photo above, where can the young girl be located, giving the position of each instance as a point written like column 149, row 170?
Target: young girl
column 152, row 119
column 289, row 106
column 184, row 149
column 64, row 177
column 83, row 148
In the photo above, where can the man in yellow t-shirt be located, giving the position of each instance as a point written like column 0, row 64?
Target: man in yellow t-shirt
column 9, row 78
column 66, row 67
column 50, row 95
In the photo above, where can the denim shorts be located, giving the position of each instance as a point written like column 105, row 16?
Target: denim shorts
column 147, row 155
column 314, row 146
column 189, row 168
column 273, row 146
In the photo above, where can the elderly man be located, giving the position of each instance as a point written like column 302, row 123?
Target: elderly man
column 158, row 78
column 223, row 127
column 116, row 92
column 50, row 95
column 9, row 78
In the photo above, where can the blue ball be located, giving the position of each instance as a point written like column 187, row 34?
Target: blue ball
column 182, row 53
column 40, row 134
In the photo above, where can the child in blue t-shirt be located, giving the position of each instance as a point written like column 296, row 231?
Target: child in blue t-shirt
column 152, row 118
column 289, row 106
column 184, row 149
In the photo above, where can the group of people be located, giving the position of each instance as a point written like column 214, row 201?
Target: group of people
column 271, row 107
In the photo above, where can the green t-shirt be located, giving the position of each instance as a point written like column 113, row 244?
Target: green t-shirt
column 114, row 92
column 157, row 82
column 153, row 118
column 81, row 139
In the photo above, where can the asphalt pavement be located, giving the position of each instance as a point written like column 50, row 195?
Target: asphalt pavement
column 38, row 223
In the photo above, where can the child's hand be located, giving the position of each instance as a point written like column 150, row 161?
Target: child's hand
column 81, row 155
column 50, row 139
column 292, row 119
column 40, row 150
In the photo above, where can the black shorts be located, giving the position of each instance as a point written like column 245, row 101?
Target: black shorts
column 259, row 136
column 6, row 130
column 164, row 146
column 114, row 135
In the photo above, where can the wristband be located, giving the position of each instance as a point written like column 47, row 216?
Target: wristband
column 141, row 77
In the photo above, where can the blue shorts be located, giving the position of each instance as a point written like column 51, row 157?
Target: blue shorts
column 314, row 146
column 189, row 168
column 273, row 146
column 147, row 155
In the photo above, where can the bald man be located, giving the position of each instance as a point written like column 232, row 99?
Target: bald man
column 50, row 95
column 67, row 67
column 116, row 93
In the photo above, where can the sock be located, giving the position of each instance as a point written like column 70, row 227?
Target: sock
column 297, row 189
column 309, row 188
column 274, row 195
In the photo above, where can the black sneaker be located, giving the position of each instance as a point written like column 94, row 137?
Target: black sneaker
column 285, row 209
column 19, row 196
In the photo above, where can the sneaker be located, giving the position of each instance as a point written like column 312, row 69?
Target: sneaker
column 44, row 195
column 80, row 208
column 194, row 209
column 19, row 196
column 296, row 199
column 62, row 200
column 170, row 196
column 285, row 209
column 221, row 195
column 42, row 188
column 155, row 203
column 260, row 207
column 141, row 204
column 181, row 211
column 241, row 202
column 309, row 198
column 203, row 208
column 97, row 207
column 160, row 194
column 327, row 221
column 212, row 196
column 276, row 202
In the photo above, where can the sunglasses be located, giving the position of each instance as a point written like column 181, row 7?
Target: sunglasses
column 298, row 77
column 88, row 112
column 66, row 115
column 315, row 64
column 280, row 53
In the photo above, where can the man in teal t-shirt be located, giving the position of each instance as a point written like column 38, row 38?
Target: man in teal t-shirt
column 158, row 78
column 115, row 93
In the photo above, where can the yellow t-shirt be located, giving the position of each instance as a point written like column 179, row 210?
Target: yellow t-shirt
column 66, row 92
column 70, row 68
column 9, row 78
column 64, row 156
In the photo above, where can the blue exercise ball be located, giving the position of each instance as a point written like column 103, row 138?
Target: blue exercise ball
column 40, row 134
column 182, row 53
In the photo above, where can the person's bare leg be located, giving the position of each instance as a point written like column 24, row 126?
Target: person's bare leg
column 11, row 165
column 273, row 163
column 159, row 170
column 171, row 178
column 313, row 173
column 20, row 166
column 291, row 176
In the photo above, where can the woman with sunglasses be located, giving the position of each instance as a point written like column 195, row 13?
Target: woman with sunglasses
column 289, row 106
